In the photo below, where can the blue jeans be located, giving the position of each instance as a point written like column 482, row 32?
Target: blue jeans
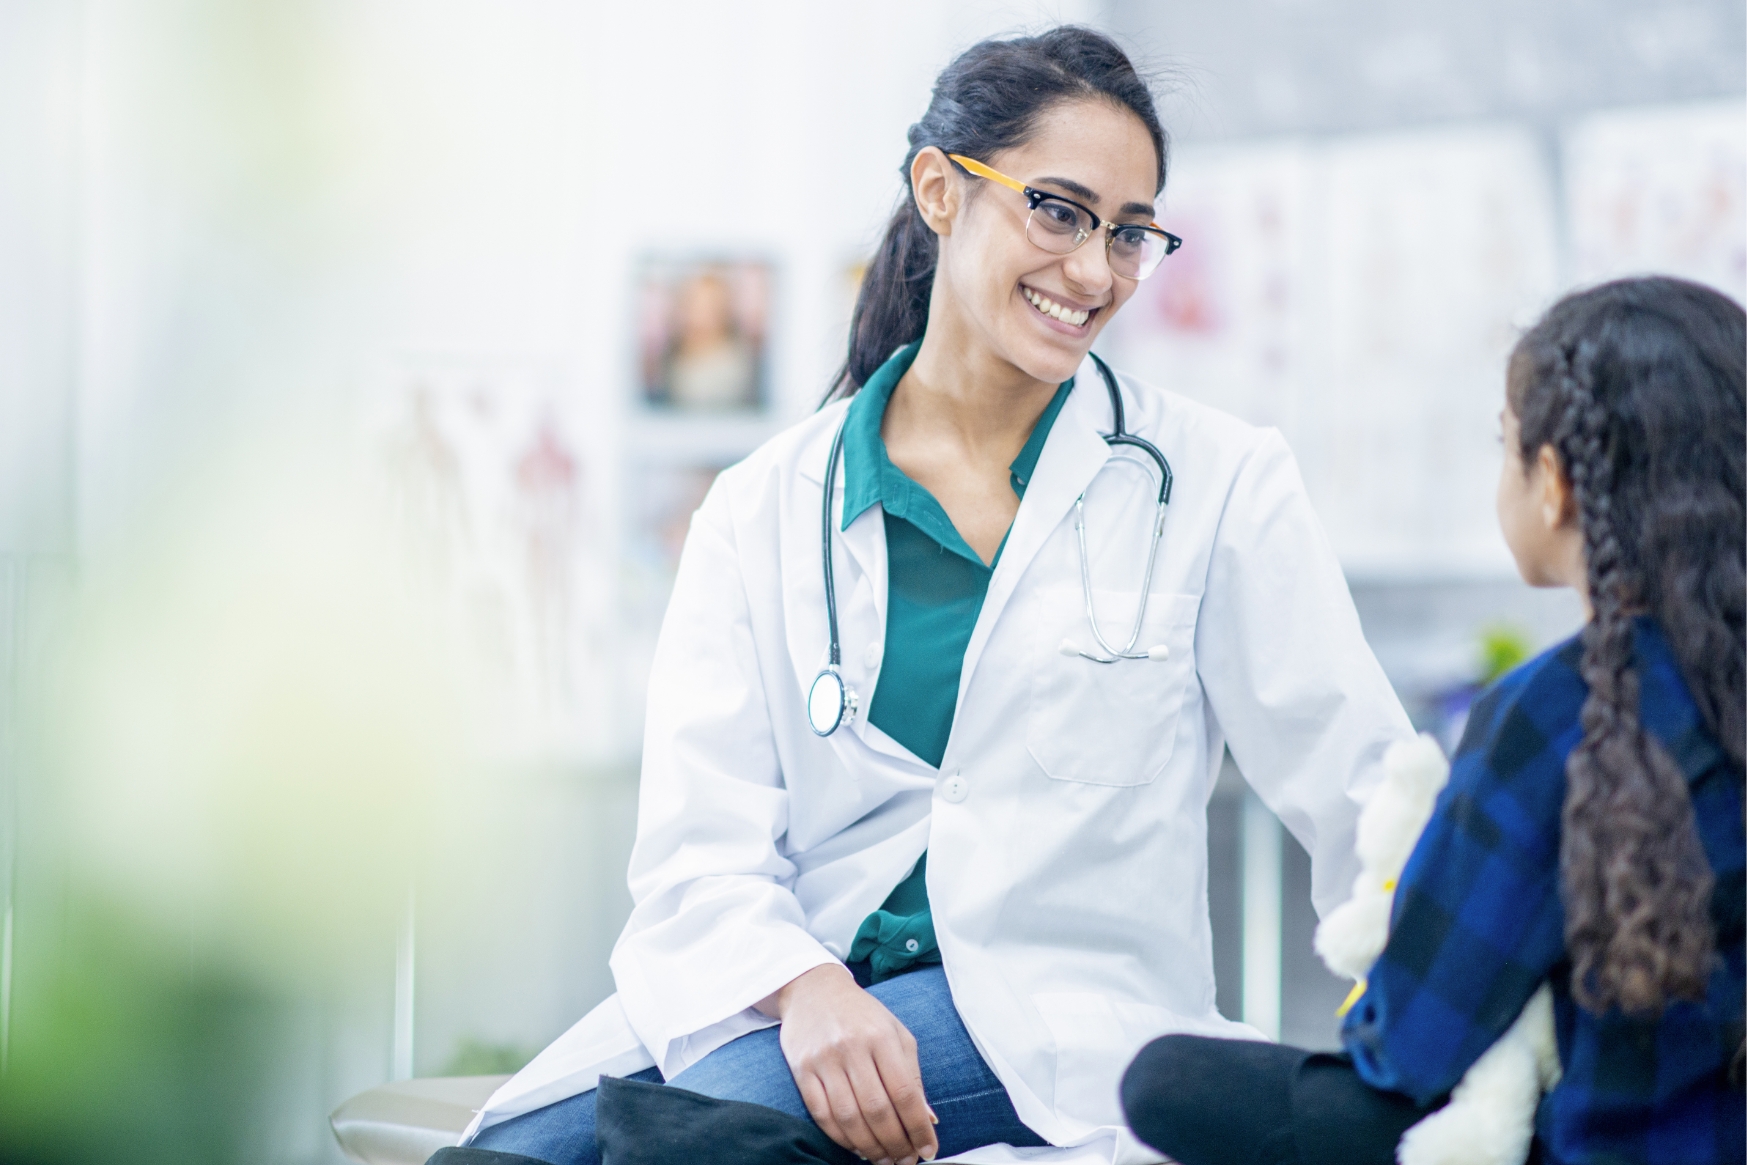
column 967, row 1097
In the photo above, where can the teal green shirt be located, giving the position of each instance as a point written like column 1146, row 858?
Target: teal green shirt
column 935, row 585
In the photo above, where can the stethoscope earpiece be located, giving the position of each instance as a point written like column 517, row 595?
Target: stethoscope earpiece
column 1157, row 653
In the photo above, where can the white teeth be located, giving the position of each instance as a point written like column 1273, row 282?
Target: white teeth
column 1051, row 308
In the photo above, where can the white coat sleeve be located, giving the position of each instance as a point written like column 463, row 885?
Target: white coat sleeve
column 1306, row 709
column 715, row 926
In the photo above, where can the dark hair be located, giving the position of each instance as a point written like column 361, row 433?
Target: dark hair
column 988, row 100
column 1638, row 387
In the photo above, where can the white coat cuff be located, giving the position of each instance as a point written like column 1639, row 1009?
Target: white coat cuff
column 676, row 1050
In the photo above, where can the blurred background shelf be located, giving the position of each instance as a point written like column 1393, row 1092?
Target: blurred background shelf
column 653, row 438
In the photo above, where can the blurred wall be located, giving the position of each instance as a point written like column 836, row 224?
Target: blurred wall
column 1251, row 68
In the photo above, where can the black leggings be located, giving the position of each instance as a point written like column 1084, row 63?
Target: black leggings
column 1237, row 1102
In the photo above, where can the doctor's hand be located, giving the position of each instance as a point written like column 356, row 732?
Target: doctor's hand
column 856, row 1067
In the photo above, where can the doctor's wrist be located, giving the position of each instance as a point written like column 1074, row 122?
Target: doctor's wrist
column 825, row 977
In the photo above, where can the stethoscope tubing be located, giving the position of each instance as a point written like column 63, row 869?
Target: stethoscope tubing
column 832, row 672
column 1111, row 654
column 825, row 540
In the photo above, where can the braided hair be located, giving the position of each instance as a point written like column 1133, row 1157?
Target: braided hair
column 1637, row 386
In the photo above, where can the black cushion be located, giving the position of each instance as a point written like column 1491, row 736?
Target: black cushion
column 657, row 1124
column 480, row 1157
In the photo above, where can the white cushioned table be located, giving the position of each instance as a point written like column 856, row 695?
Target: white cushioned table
column 405, row 1122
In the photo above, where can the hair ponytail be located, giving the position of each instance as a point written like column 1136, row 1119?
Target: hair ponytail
column 988, row 100
column 891, row 309
column 1638, row 387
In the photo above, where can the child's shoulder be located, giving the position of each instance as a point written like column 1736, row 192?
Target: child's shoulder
column 1533, row 704
column 1507, row 778
column 1548, row 693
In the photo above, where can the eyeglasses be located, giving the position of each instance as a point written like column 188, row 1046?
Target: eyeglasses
column 1059, row 225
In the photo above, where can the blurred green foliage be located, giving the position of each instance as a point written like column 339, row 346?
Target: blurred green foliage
column 475, row 1057
column 226, row 773
column 123, row 1050
column 1502, row 647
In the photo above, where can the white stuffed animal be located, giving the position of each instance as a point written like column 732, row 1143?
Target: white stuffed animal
column 1490, row 1119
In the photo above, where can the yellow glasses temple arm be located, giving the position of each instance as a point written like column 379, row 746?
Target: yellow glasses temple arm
column 983, row 171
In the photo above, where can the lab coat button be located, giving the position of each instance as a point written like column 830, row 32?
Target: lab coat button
column 871, row 657
column 955, row 788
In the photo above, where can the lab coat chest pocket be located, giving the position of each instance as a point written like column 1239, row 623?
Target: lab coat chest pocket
column 1115, row 723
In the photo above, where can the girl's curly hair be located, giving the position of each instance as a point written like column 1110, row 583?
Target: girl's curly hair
column 1638, row 387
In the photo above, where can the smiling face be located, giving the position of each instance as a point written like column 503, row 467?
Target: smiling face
column 995, row 290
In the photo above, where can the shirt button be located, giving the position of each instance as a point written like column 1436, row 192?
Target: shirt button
column 870, row 657
column 912, row 945
column 955, row 788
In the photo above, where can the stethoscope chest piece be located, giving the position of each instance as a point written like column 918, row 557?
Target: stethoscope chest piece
column 830, row 702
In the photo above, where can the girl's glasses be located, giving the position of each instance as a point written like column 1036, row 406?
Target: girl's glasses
column 1059, row 225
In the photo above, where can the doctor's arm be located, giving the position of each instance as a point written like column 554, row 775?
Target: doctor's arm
column 1306, row 710
column 716, row 931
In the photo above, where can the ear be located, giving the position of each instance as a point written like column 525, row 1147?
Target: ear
column 1558, row 500
column 938, row 188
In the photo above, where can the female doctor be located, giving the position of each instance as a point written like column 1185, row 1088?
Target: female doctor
column 934, row 715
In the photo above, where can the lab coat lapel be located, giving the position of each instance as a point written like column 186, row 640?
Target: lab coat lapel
column 1072, row 456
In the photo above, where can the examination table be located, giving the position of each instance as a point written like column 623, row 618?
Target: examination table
column 405, row 1122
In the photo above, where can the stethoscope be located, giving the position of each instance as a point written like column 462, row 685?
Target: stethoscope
column 831, row 702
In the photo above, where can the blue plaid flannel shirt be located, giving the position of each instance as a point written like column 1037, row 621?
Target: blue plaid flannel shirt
column 1477, row 925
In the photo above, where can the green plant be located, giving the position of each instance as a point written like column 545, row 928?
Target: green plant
column 1502, row 647
column 476, row 1057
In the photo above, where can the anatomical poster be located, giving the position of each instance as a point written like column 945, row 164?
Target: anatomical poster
column 1660, row 190
column 1222, row 321
column 1360, row 295
column 494, row 495
column 1433, row 250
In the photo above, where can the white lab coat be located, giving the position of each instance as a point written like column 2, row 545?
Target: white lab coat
column 1066, row 827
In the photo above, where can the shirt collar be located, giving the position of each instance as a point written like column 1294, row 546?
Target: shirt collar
column 869, row 475
column 866, row 468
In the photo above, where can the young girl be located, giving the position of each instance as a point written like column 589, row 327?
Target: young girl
column 1591, row 834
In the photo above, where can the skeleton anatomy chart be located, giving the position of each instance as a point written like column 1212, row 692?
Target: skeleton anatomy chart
column 1660, row 190
column 1361, row 297
column 494, row 498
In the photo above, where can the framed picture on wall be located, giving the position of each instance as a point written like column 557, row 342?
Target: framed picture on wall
column 702, row 328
